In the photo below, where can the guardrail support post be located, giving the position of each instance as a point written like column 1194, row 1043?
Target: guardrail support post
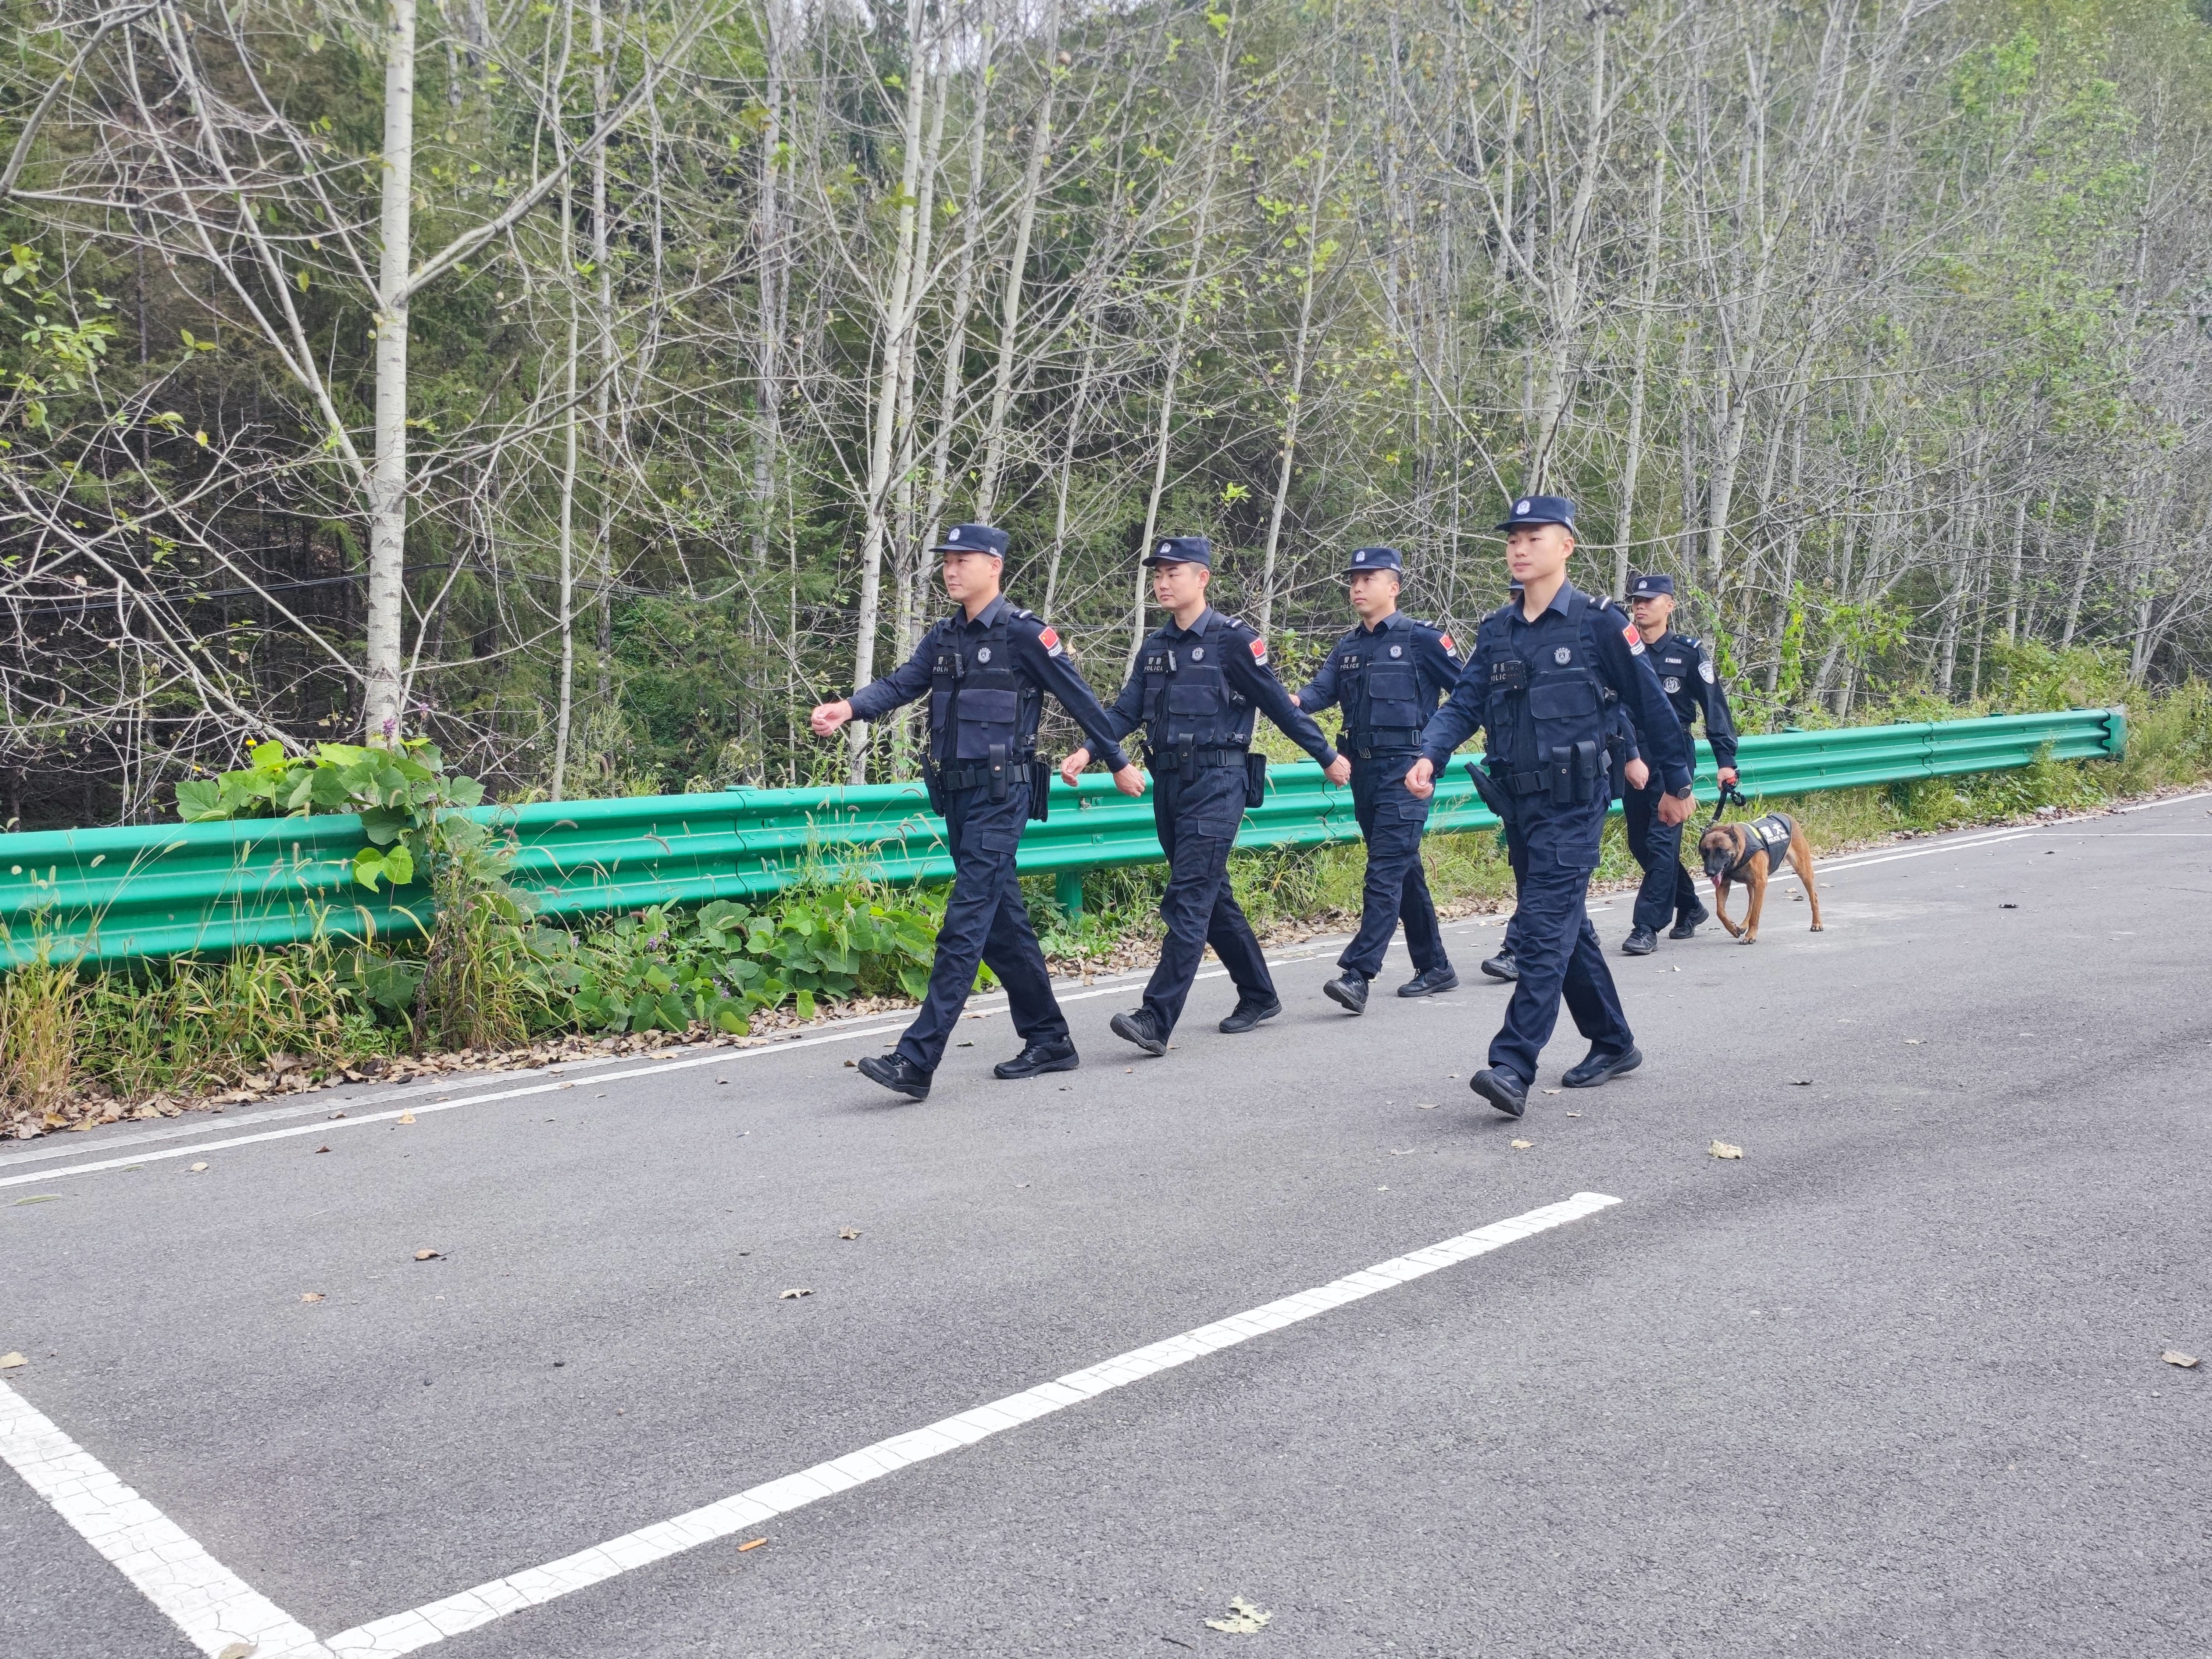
column 1067, row 891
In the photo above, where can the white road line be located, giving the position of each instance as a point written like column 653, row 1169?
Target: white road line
column 213, row 1606
column 405, row 1632
column 326, row 1125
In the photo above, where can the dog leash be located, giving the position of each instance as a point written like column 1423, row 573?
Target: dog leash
column 1729, row 793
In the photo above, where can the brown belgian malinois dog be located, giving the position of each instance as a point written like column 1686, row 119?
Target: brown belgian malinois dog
column 1750, row 853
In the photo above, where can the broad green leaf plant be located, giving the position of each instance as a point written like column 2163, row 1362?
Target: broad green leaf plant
column 400, row 794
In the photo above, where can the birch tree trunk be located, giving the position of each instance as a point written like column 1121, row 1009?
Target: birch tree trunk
column 1294, row 401
column 1010, row 318
column 1632, row 462
column 897, row 318
column 382, row 692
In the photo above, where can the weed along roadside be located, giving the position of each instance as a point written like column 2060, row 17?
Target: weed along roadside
column 492, row 984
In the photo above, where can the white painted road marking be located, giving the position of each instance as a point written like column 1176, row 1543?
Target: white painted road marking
column 212, row 1604
column 213, row 1607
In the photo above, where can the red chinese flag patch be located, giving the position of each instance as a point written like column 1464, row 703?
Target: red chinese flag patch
column 1259, row 650
column 1049, row 640
column 1447, row 644
column 1635, row 640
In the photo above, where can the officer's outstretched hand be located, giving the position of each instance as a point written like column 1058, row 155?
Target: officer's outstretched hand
column 1337, row 771
column 1129, row 781
column 828, row 716
column 1072, row 768
column 1676, row 809
column 1421, row 779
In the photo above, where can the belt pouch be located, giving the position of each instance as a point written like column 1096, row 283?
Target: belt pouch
column 1039, row 790
column 935, row 788
column 1256, row 780
column 1563, row 774
column 998, row 753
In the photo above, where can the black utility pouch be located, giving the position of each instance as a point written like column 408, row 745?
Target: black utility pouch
column 1563, row 774
column 1000, row 781
column 1039, row 790
column 1256, row 780
column 935, row 790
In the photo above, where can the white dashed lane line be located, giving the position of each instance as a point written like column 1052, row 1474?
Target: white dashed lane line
column 214, row 1608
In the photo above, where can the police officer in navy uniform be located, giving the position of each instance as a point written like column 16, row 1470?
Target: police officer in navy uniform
column 984, row 668
column 1534, row 687
column 1199, row 681
column 1628, row 769
column 1686, row 674
column 1390, row 673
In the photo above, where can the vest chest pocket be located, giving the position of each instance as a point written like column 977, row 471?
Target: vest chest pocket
column 1203, row 698
column 1393, row 696
column 985, row 717
column 1570, row 699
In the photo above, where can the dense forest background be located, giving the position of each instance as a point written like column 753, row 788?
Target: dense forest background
column 575, row 382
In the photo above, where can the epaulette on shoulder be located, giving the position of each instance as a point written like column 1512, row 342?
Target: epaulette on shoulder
column 1026, row 615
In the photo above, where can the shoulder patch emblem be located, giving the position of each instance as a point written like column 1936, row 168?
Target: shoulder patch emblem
column 1445, row 640
column 1706, row 670
column 1050, row 641
column 1259, row 649
column 1635, row 640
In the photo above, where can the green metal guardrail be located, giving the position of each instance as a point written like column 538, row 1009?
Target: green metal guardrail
column 105, row 894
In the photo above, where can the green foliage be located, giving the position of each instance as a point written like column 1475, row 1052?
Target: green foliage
column 664, row 970
column 402, row 795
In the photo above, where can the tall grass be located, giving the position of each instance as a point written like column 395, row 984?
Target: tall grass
column 40, row 1005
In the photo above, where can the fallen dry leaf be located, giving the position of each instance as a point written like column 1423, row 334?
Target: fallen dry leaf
column 1426, row 1106
column 1913, row 1042
column 1551, row 1091
column 1801, row 1082
column 9, row 1361
column 848, row 1232
column 311, row 1296
column 239, row 1651
column 1574, row 1113
column 2172, row 1356
column 851, row 1062
column 750, row 1544
column 1522, row 1145
column 1722, row 1149
column 788, row 1296
column 196, row 1169
column 429, row 1255
column 1243, row 1620
column 322, row 1149
column 407, row 1117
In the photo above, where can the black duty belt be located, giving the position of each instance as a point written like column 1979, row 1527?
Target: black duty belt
column 1384, row 740
column 1184, row 760
column 978, row 775
column 1527, row 783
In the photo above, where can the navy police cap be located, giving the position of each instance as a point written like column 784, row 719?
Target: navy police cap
column 973, row 538
column 1650, row 587
column 1540, row 509
column 1182, row 549
column 1376, row 558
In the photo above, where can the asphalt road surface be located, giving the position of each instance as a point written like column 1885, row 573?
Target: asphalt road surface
column 1890, row 1384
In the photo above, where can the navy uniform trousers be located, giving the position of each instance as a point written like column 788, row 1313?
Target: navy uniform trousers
column 1197, row 822
column 985, row 921
column 1397, row 888
column 1555, row 945
column 1669, row 892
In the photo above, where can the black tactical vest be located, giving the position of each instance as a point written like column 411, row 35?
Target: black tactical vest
column 1189, row 704
column 1545, row 713
column 978, row 702
column 1379, row 687
column 1771, row 833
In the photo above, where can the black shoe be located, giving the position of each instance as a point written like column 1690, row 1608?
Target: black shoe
column 1055, row 1054
column 1597, row 1067
column 1137, row 1028
column 898, row 1074
column 1429, row 983
column 1640, row 942
column 1686, row 926
column 1348, row 990
column 1507, row 1092
column 1248, row 1013
column 1502, row 966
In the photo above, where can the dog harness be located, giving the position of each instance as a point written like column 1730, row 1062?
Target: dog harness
column 1769, row 835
